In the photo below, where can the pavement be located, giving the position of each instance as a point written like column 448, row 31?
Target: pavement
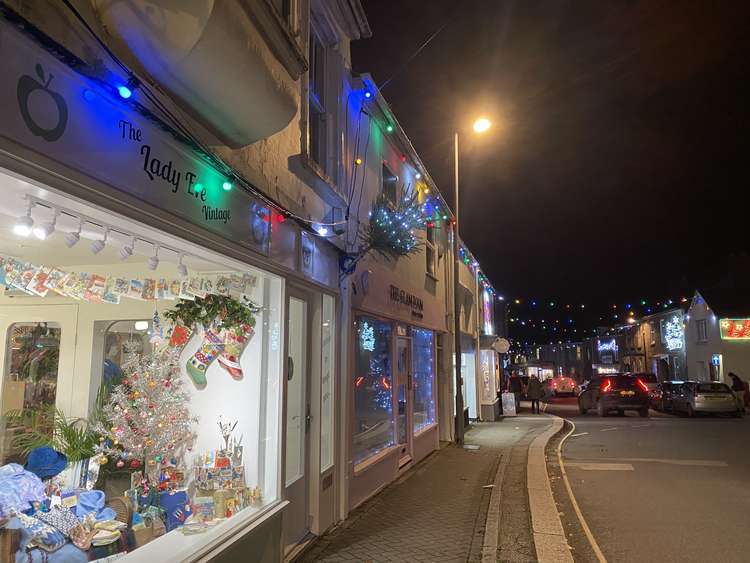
column 448, row 507
column 664, row 488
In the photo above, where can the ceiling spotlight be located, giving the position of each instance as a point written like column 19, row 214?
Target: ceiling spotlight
column 153, row 262
column 71, row 239
column 43, row 231
column 24, row 224
column 181, row 268
column 127, row 250
column 98, row 245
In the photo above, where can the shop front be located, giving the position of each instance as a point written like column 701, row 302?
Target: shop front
column 161, row 333
column 394, row 380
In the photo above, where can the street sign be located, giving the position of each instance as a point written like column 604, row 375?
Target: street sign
column 501, row 346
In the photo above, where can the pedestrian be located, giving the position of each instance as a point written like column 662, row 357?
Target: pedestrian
column 534, row 393
column 515, row 386
column 739, row 388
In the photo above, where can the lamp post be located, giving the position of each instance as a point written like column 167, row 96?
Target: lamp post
column 480, row 126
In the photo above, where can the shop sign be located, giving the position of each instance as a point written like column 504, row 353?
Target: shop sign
column 404, row 298
column 716, row 360
column 52, row 110
column 735, row 329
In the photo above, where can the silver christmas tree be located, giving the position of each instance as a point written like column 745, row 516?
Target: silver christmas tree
column 146, row 418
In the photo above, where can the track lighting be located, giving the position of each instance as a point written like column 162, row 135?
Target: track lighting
column 153, row 262
column 71, row 239
column 182, row 268
column 24, row 224
column 43, row 231
column 98, row 245
column 127, row 250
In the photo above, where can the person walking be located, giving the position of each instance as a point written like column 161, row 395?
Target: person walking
column 515, row 386
column 738, row 388
column 534, row 393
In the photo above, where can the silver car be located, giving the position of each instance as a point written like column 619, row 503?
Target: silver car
column 695, row 397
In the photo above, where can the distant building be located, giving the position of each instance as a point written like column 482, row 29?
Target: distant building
column 717, row 336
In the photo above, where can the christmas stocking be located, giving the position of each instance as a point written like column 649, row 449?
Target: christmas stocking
column 211, row 347
column 234, row 345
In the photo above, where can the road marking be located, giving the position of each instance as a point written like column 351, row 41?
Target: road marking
column 587, row 466
column 579, row 434
column 639, row 425
column 608, row 429
column 689, row 462
column 586, row 530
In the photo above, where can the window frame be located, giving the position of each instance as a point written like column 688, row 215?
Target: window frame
column 317, row 149
column 430, row 251
column 701, row 331
column 386, row 171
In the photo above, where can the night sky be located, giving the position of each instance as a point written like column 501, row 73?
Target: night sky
column 617, row 166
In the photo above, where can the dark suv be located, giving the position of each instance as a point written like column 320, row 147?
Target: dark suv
column 615, row 393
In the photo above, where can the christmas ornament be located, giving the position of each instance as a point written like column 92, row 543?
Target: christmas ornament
column 120, row 464
column 221, row 311
column 180, row 336
column 103, row 460
column 234, row 345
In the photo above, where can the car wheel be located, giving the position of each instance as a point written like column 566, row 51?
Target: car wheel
column 581, row 408
column 663, row 406
column 689, row 411
column 643, row 412
column 620, row 412
column 600, row 410
column 738, row 414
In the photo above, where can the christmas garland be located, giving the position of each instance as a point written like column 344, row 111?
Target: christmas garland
column 223, row 312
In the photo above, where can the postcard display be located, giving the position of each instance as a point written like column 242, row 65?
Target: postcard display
column 182, row 475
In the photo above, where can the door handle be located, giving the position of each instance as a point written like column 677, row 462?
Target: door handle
column 290, row 368
column 308, row 418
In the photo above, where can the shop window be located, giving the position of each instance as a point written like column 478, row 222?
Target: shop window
column 424, row 378
column 190, row 419
column 373, row 389
column 431, row 251
column 317, row 118
column 390, row 185
column 328, row 338
column 29, row 385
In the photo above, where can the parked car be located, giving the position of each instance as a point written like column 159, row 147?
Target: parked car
column 662, row 397
column 696, row 397
column 616, row 392
column 562, row 386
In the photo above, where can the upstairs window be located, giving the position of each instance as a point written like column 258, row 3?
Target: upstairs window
column 317, row 116
column 701, row 330
column 390, row 187
column 431, row 251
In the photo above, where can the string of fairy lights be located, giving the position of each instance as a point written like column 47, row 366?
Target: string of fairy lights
column 534, row 321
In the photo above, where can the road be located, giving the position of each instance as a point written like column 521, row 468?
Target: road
column 663, row 488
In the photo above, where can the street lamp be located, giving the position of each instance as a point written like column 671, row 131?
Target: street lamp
column 481, row 125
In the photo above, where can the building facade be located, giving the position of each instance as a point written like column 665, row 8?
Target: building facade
column 717, row 336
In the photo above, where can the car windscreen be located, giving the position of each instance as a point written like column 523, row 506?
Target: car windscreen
column 712, row 388
column 647, row 377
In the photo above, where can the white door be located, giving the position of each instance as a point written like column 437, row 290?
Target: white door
column 296, row 520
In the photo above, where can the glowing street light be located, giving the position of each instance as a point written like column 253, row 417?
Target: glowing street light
column 482, row 124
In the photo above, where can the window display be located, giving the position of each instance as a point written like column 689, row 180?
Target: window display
column 424, row 377
column 373, row 389
column 141, row 385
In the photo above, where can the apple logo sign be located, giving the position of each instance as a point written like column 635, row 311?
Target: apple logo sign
column 49, row 108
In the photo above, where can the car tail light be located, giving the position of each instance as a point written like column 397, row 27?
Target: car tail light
column 606, row 385
column 642, row 385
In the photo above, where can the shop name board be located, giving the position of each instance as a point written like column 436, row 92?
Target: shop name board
column 52, row 110
column 735, row 329
column 400, row 297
